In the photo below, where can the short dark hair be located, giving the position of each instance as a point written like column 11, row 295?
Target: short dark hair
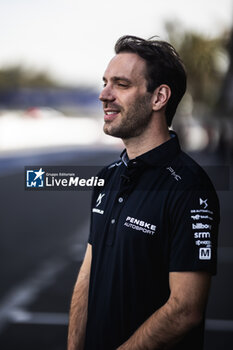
column 164, row 66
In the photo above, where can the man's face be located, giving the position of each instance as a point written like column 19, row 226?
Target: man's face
column 126, row 102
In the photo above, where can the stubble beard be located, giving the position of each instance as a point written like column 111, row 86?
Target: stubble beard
column 134, row 122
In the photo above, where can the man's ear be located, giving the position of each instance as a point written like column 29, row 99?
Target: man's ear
column 160, row 97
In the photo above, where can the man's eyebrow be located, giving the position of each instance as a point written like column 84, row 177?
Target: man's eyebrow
column 116, row 79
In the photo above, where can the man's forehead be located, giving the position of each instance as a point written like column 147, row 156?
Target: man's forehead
column 125, row 64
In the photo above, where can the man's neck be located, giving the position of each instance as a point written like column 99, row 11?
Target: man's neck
column 149, row 139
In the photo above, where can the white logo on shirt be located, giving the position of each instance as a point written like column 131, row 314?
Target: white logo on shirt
column 202, row 235
column 140, row 225
column 173, row 173
column 206, row 243
column 99, row 199
column 198, row 217
column 204, row 201
column 200, row 226
column 201, row 211
column 205, row 253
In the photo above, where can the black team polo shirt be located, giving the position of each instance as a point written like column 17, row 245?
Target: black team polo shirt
column 157, row 213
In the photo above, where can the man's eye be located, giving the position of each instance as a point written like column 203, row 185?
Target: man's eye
column 122, row 85
column 104, row 84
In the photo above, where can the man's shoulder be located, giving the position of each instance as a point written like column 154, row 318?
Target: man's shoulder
column 193, row 174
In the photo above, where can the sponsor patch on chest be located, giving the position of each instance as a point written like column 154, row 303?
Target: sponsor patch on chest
column 140, row 225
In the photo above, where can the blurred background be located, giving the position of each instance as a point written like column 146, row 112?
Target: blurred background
column 52, row 58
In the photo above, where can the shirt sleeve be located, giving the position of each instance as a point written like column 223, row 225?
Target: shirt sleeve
column 194, row 230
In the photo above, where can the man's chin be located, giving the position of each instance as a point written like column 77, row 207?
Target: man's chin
column 108, row 130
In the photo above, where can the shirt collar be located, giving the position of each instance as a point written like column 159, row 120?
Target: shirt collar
column 124, row 157
column 158, row 155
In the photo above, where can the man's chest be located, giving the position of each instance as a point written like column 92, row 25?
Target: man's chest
column 129, row 217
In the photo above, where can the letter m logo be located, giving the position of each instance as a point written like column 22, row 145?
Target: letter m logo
column 205, row 253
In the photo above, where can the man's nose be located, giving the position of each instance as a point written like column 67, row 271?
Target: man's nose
column 106, row 94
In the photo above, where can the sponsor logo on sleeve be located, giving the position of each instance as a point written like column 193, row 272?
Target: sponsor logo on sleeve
column 198, row 217
column 200, row 226
column 202, row 235
column 203, row 208
column 203, row 202
column 206, row 243
column 204, row 253
column 201, row 211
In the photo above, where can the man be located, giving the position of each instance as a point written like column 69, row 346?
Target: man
column 146, row 274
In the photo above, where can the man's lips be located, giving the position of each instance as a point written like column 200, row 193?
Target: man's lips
column 109, row 115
